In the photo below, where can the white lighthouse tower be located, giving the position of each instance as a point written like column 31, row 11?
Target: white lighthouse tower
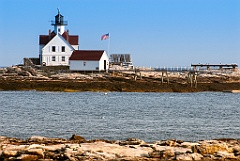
column 56, row 47
column 59, row 24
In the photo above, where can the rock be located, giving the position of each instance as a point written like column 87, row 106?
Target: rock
column 37, row 138
column 225, row 155
column 3, row 70
column 53, row 148
column 167, row 143
column 155, row 154
column 211, row 147
column 27, row 157
column 49, row 149
column 189, row 156
column 38, row 152
column 236, row 150
column 24, row 73
column 13, row 69
column 79, row 138
column 197, row 156
column 188, row 144
column 9, row 153
column 117, row 150
column 31, row 70
column 131, row 141
column 184, row 157
column 52, row 155
column 179, row 141
column 168, row 153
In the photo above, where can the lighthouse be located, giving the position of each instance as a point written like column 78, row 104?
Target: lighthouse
column 59, row 24
column 56, row 47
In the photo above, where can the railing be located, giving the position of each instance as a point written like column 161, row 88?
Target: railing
column 174, row 69
column 64, row 23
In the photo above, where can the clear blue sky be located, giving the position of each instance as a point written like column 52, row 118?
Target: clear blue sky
column 154, row 32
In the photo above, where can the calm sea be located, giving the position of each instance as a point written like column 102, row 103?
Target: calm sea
column 113, row 116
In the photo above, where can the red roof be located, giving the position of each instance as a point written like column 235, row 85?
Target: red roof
column 86, row 55
column 72, row 39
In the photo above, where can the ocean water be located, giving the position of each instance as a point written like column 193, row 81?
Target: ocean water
column 118, row 116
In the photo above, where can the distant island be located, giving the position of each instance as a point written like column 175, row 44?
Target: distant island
column 118, row 79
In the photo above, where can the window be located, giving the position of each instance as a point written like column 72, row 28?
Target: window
column 63, row 58
column 53, row 58
column 53, row 48
column 84, row 63
column 63, row 48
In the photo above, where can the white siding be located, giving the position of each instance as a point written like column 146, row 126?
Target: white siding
column 47, row 53
column 88, row 65
column 101, row 62
column 79, row 65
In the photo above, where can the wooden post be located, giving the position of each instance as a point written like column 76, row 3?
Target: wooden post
column 167, row 77
column 162, row 77
column 195, row 79
column 190, row 78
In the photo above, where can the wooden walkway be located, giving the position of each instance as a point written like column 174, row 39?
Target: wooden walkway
column 192, row 72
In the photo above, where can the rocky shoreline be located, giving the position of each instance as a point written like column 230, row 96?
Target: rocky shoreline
column 77, row 149
column 27, row 78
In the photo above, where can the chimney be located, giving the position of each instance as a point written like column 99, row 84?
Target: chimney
column 67, row 35
column 49, row 34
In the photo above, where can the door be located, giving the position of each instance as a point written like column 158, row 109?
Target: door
column 105, row 65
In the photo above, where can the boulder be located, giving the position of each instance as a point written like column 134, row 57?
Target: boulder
column 24, row 73
column 211, row 147
column 31, row 70
column 236, row 150
column 189, row 156
column 3, row 70
column 188, row 144
column 225, row 155
column 155, row 154
column 27, row 157
column 9, row 153
column 172, row 143
column 38, row 152
column 131, row 141
column 184, row 157
column 13, row 69
column 78, row 138
column 37, row 138
column 164, row 154
column 197, row 156
column 168, row 153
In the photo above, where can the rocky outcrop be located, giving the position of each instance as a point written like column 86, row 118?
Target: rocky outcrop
column 77, row 148
column 18, row 71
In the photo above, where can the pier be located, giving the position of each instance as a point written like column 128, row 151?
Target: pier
column 214, row 66
column 191, row 72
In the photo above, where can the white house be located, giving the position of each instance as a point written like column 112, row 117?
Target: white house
column 89, row 60
column 56, row 47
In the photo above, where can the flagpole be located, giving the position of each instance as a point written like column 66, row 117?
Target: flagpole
column 108, row 45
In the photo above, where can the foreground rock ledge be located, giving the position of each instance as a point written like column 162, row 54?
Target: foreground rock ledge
column 77, row 149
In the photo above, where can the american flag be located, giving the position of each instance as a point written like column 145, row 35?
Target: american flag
column 105, row 36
